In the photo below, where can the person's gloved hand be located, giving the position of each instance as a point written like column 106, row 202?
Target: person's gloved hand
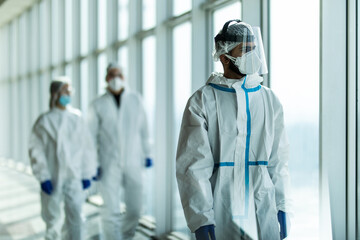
column 98, row 174
column 284, row 222
column 205, row 233
column 47, row 187
column 148, row 162
column 86, row 183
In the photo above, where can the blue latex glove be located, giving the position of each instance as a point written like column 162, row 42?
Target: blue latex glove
column 282, row 216
column 86, row 183
column 47, row 187
column 148, row 162
column 205, row 233
column 98, row 174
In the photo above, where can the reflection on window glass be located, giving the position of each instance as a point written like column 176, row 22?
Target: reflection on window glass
column 55, row 54
column 84, row 81
column 221, row 16
column 181, row 6
column 182, row 91
column 102, row 63
column 123, row 61
column 149, row 93
column 68, row 29
column 84, row 18
column 301, row 113
column 101, row 23
column 148, row 9
column 123, row 30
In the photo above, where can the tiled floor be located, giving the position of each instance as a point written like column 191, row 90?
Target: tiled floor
column 20, row 208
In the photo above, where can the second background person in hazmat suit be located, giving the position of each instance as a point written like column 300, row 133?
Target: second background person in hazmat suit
column 232, row 156
column 118, row 124
column 63, row 159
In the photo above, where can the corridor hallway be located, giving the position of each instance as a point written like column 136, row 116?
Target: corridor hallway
column 20, row 207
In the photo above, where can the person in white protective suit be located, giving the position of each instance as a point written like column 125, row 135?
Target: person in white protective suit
column 63, row 159
column 118, row 124
column 232, row 155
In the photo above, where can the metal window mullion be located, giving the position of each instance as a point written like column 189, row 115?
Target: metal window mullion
column 134, row 44
column 76, row 53
column 163, row 195
column 198, row 38
column 351, row 121
column 265, row 32
column 93, row 32
column 333, row 118
column 61, row 35
column 111, row 29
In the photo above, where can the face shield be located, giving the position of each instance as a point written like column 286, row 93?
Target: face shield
column 243, row 45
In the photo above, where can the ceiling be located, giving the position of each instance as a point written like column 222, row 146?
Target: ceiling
column 9, row 9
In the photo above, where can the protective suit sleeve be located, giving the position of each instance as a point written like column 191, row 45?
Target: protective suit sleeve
column 37, row 151
column 93, row 122
column 194, row 167
column 89, row 165
column 278, row 163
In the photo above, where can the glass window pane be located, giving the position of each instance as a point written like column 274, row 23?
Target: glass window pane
column 149, row 93
column 34, row 38
column 22, row 44
column 55, row 27
column 102, row 23
column 68, row 29
column 148, row 9
column 5, row 74
column 181, row 6
column 14, row 48
column 44, row 91
column 84, row 68
column 181, row 93
column 123, row 60
column 123, row 30
column 221, row 16
column 45, row 34
column 149, row 83
column 301, row 113
column 84, row 26
column 102, row 63
column 35, row 98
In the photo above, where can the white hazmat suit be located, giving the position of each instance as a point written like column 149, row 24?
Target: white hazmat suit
column 61, row 150
column 232, row 159
column 121, row 136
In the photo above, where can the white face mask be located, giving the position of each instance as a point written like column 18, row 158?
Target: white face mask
column 116, row 84
column 249, row 63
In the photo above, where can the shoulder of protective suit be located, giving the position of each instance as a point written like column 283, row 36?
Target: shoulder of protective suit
column 42, row 118
column 201, row 96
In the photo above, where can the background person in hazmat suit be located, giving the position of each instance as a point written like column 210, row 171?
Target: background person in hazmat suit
column 232, row 156
column 63, row 159
column 118, row 124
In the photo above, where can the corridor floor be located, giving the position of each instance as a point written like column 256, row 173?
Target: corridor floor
column 20, row 207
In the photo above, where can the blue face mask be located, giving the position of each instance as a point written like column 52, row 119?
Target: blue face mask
column 64, row 100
